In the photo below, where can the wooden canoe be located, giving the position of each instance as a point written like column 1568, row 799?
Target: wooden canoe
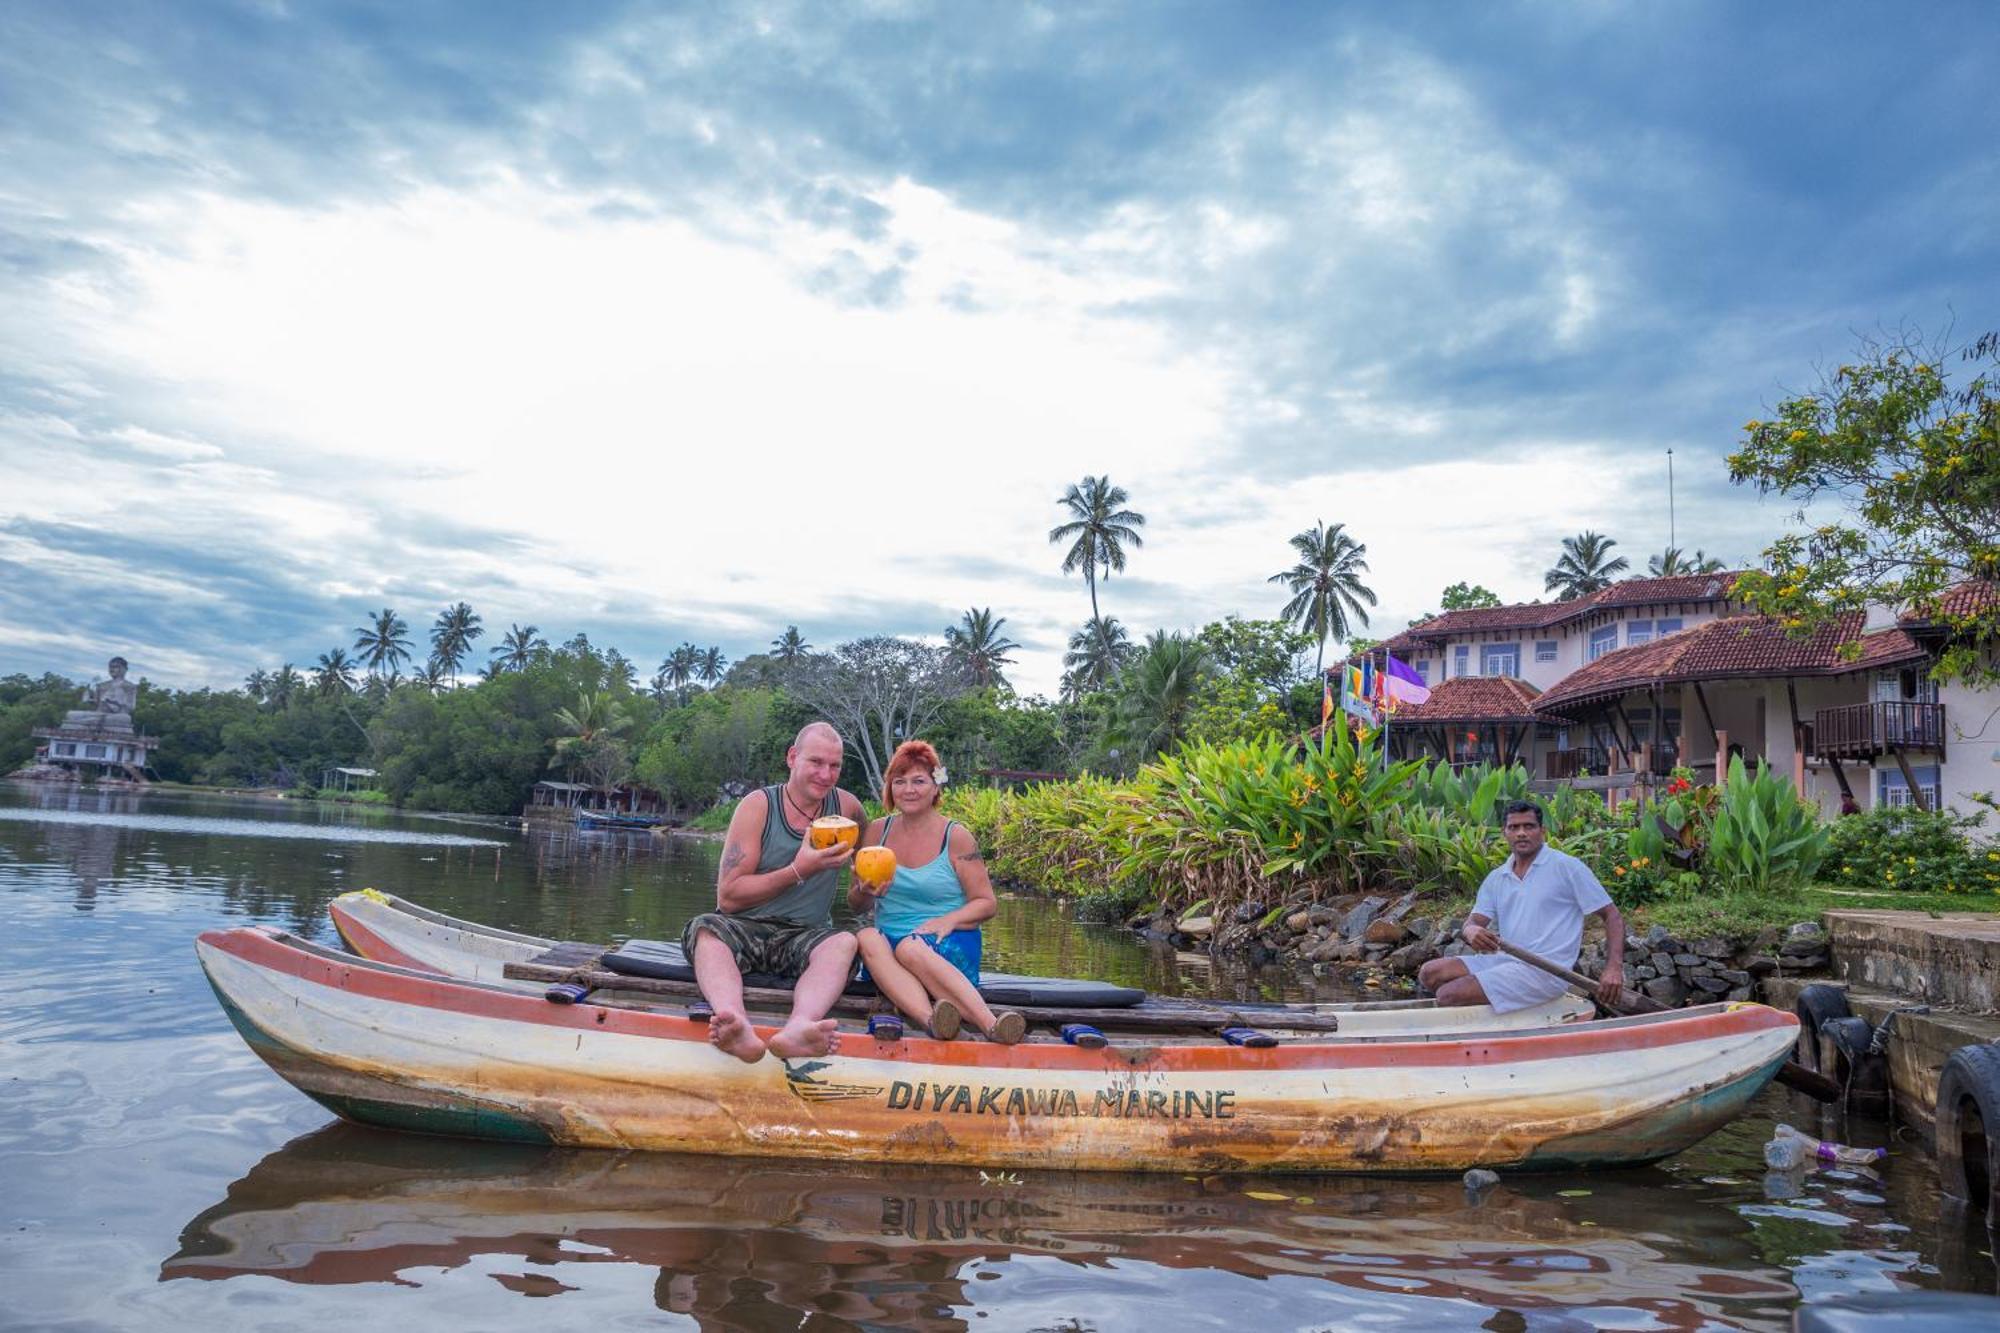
column 388, row 929
column 392, row 1046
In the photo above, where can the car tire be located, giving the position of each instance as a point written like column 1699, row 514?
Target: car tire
column 1968, row 1129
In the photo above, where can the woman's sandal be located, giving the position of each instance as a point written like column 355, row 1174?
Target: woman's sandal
column 1008, row 1028
column 945, row 1020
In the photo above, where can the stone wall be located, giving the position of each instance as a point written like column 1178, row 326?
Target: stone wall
column 1394, row 935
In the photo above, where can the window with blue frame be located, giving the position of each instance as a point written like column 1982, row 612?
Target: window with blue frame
column 1500, row 659
column 1662, row 628
column 1602, row 641
column 1545, row 650
column 1891, row 789
column 1638, row 631
column 1461, row 660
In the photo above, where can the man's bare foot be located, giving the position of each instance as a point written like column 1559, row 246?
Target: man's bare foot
column 732, row 1033
column 798, row 1038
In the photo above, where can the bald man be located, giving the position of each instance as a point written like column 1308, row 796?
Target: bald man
column 774, row 906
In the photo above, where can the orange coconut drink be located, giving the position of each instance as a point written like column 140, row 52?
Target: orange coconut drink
column 833, row 830
column 875, row 867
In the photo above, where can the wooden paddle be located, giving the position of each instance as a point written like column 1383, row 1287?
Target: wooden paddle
column 1792, row 1074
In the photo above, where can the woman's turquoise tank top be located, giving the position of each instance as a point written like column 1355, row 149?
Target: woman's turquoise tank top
column 919, row 893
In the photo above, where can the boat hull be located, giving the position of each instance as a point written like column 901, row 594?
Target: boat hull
column 389, row 1046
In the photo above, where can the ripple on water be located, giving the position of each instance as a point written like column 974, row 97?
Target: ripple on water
column 243, row 828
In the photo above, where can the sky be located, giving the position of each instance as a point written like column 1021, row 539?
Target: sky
column 678, row 323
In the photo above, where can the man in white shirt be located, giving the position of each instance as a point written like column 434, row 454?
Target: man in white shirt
column 1537, row 899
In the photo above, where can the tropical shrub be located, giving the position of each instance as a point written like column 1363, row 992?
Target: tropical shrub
column 1763, row 835
column 1918, row 851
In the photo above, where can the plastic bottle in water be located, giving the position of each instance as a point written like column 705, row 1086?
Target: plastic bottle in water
column 1788, row 1149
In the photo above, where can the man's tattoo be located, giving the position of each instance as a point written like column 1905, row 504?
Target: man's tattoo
column 732, row 859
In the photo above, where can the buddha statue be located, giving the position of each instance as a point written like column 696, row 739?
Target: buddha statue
column 107, row 703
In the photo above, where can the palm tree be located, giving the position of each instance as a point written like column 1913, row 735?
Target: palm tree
column 334, row 674
column 1097, row 531
column 1097, row 653
column 285, row 686
column 384, row 641
column 1157, row 692
column 679, row 667
column 978, row 649
column 790, row 646
column 1327, row 591
column 431, row 676
column 709, row 665
column 519, row 647
column 1674, row 561
column 452, row 634
column 257, row 684
column 660, row 688
column 1587, row 565
column 618, row 669
column 589, row 742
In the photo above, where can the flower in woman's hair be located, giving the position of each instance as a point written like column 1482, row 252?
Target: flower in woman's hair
column 939, row 776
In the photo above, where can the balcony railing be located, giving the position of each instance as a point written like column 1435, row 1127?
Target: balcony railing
column 1564, row 764
column 1862, row 731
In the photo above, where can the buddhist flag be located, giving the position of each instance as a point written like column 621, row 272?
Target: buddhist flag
column 1401, row 684
column 1354, row 697
column 1325, row 700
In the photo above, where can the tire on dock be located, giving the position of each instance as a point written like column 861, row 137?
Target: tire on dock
column 1817, row 1004
column 1968, row 1129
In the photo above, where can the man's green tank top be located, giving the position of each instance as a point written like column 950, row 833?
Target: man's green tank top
column 810, row 903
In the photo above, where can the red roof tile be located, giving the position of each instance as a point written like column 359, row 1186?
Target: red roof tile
column 1970, row 598
column 1538, row 615
column 1733, row 646
column 1474, row 699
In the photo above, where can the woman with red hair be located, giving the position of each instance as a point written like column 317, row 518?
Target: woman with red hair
column 923, row 950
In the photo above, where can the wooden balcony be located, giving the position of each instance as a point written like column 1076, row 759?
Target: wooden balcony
column 1864, row 731
column 1561, row 765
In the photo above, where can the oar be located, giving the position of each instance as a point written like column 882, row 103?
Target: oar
column 1792, row 1074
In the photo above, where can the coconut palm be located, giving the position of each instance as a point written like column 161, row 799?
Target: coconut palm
column 709, row 665
column 383, row 642
column 679, row 669
column 519, row 647
column 452, row 634
column 1156, row 692
column 589, row 742
column 790, row 646
column 619, row 669
column 660, row 687
column 1097, row 652
column 1327, row 591
column 977, row 648
column 1675, row 561
column 333, row 673
column 1097, row 531
column 285, row 686
column 432, row 676
column 1587, row 565
column 257, row 684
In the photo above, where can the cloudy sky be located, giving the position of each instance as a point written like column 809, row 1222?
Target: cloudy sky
column 688, row 322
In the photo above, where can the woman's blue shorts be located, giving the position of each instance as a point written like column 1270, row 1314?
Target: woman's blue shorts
column 960, row 948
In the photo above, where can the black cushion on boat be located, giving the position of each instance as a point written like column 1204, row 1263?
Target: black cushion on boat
column 664, row 960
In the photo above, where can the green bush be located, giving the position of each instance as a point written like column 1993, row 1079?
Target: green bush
column 1763, row 836
column 1914, row 851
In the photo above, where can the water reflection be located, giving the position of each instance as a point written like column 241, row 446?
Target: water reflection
column 756, row 1244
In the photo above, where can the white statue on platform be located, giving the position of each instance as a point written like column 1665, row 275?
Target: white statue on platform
column 107, row 703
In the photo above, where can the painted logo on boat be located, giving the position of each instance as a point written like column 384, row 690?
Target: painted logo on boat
column 805, row 1084
column 1122, row 1103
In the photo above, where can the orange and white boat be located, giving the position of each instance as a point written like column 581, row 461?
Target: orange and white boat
column 392, row 1045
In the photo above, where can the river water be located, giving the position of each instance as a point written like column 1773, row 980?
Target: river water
column 154, row 1174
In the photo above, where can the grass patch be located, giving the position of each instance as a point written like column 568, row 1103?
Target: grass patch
column 1740, row 915
column 715, row 819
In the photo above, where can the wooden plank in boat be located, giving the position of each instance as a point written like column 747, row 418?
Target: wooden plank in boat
column 1156, row 1015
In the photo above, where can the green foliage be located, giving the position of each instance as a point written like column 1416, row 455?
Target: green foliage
column 1467, row 597
column 1915, row 461
column 1914, row 851
column 28, row 702
column 1763, row 835
column 1157, row 693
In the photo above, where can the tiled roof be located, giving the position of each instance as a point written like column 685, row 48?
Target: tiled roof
column 1970, row 598
column 1733, row 646
column 1538, row 615
column 1474, row 699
